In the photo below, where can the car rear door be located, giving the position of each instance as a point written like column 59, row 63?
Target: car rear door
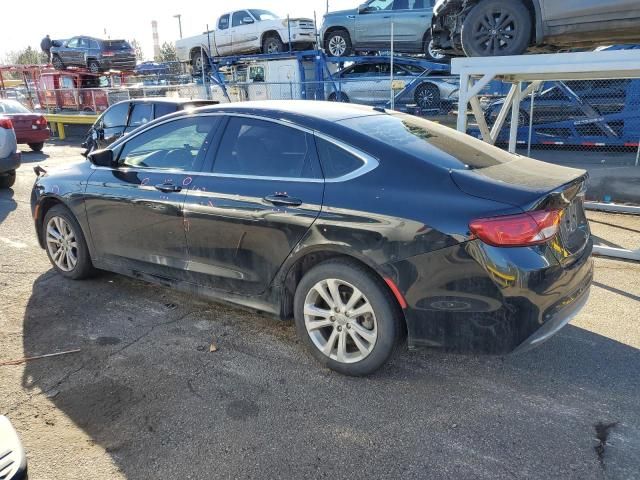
column 582, row 13
column 411, row 20
column 260, row 195
column 135, row 210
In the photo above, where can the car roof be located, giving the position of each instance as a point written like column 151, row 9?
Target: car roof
column 297, row 111
column 173, row 101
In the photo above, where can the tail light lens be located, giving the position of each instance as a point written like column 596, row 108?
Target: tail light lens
column 6, row 123
column 40, row 122
column 530, row 228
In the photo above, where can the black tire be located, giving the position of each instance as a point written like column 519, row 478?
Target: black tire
column 36, row 147
column 429, row 54
column 8, row 179
column 93, row 66
column 427, row 96
column 338, row 41
column 272, row 44
column 386, row 312
column 338, row 97
column 491, row 115
column 197, row 59
column 84, row 267
column 57, row 63
column 508, row 32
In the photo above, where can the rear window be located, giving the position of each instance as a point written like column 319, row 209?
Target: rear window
column 429, row 141
column 11, row 106
column 116, row 44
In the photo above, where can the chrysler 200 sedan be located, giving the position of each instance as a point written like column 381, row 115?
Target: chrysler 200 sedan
column 364, row 225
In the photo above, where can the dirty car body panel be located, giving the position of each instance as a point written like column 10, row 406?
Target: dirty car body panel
column 402, row 210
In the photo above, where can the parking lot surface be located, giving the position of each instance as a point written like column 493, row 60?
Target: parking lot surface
column 146, row 398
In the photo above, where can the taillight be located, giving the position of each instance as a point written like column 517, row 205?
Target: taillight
column 6, row 123
column 40, row 122
column 530, row 228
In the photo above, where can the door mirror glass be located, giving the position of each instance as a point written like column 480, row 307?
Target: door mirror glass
column 101, row 158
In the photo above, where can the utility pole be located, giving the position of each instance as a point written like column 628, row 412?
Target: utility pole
column 179, row 17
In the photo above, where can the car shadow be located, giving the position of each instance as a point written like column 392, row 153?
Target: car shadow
column 147, row 388
column 29, row 156
column 7, row 203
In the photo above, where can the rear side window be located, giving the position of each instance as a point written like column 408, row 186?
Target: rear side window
column 336, row 162
column 163, row 109
column 266, row 149
column 142, row 113
column 116, row 116
column 429, row 141
column 223, row 23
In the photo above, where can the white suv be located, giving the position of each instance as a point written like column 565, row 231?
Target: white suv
column 9, row 156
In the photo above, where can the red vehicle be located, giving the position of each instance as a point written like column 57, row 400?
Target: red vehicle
column 78, row 91
column 31, row 128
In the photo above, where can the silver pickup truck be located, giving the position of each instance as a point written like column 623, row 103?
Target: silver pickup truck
column 246, row 31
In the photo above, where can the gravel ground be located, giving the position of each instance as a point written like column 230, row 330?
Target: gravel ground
column 145, row 398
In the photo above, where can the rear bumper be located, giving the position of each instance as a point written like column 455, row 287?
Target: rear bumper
column 116, row 63
column 33, row 136
column 473, row 298
column 10, row 163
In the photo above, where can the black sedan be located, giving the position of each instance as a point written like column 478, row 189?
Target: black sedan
column 362, row 224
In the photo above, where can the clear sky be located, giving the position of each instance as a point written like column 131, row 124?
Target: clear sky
column 25, row 23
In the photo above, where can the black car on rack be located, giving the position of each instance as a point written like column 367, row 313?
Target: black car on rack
column 93, row 53
column 124, row 117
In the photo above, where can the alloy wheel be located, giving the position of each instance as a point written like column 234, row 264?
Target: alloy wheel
column 337, row 46
column 273, row 46
column 494, row 31
column 340, row 321
column 433, row 52
column 62, row 244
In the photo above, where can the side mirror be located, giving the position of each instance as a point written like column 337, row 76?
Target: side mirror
column 101, row 158
column 247, row 20
column 364, row 8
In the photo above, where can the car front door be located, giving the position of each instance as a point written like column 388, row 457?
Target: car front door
column 243, row 31
column 373, row 25
column 69, row 52
column 263, row 193
column 135, row 209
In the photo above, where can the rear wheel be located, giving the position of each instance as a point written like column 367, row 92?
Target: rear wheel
column 496, row 27
column 346, row 317
column 427, row 96
column 36, row 147
column 338, row 44
column 94, row 66
column 338, row 97
column 7, row 180
column 272, row 44
column 430, row 52
column 65, row 244
column 56, row 61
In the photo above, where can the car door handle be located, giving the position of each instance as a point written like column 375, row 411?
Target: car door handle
column 168, row 187
column 283, row 200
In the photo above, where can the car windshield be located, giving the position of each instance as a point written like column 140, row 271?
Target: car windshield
column 11, row 106
column 263, row 15
column 430, row 141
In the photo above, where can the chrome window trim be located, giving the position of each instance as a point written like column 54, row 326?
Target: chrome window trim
column 369, row 162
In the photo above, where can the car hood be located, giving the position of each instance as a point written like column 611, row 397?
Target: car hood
column 341, row 13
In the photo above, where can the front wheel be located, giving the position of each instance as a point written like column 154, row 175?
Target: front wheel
column 272, row 44
column 496, row 27
column 199, row 60
column 346, row 317
column 65, row 244
column 338, row 44
column 56, row 61
column 430, row 52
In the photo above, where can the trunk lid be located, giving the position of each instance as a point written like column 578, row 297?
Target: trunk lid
column 534, row 185
column 23, row 121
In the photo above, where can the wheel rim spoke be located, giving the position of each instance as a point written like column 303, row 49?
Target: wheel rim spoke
column 342, row 346
column 368, row 335
column 361, row 310
column 332, row 285
column 356, row 296
column 330, row 342
column 326, row 296
column 359, row 343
